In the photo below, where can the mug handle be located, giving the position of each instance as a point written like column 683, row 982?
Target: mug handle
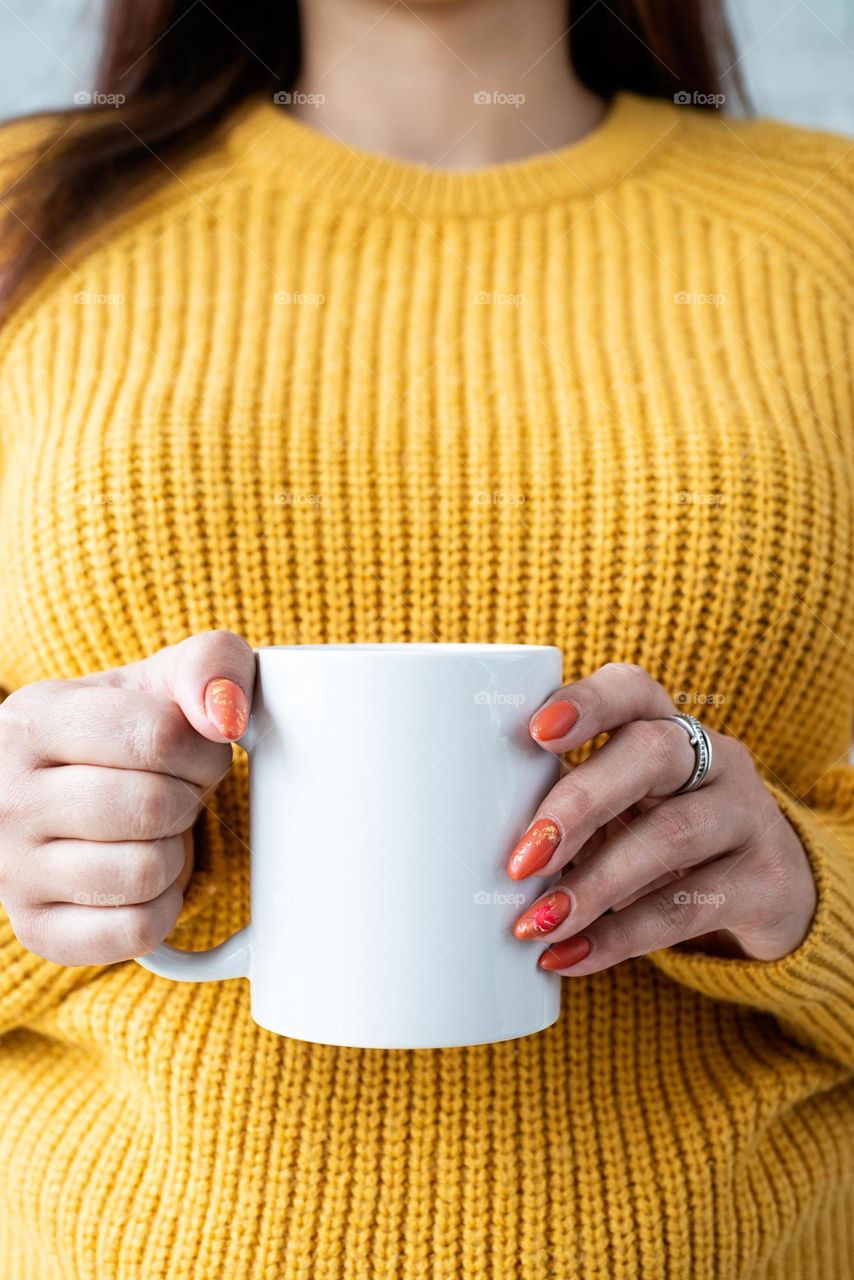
column 229, row 960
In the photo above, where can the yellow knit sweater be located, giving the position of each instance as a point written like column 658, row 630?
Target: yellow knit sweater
column 600, row 399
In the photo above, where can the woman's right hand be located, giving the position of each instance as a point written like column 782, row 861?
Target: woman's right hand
column 101, row 780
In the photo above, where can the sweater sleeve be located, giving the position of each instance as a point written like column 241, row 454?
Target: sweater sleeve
column 810, row 991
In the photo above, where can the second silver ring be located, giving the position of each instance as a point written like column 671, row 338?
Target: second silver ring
column 702, row 744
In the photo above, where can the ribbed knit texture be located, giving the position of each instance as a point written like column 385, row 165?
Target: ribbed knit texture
column 334, row 398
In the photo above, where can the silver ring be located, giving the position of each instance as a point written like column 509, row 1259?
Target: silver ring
column 702, row 744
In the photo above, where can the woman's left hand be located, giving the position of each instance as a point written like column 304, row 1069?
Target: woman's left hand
column 719, row 867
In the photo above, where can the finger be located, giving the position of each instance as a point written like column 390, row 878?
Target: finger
column 210, row 676
column 641, row 759
column 669, row 877
column 594, row 844
column 612, row 696
column 100, row 873
column 69, row 934
column 83, row 802
column 713, row 898
column 650, row 852
column 70, row 722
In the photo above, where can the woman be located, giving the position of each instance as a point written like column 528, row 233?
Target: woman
column 400, row 324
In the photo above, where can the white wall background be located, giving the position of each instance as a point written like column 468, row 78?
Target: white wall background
column 798, row 56
column 798, row 59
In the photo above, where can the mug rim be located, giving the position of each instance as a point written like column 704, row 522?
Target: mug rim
column 406, row 649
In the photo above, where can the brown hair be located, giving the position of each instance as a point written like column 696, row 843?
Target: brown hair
column 177, row 68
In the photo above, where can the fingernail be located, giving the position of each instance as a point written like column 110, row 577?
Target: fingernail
column 554, row 721
column 543, row 916
column 534, row 849
column 226, row 707
column 564, row 954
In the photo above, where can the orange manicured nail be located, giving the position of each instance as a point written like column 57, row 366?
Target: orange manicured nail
column 543, row 916
column 564, row 954
column 554, row 721
column 534, row 849
column 226, row 707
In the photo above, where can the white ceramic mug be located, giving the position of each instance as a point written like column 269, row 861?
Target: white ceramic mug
column 388, row 785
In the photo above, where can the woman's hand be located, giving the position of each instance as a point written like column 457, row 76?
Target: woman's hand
column 101, row 780
column 719, row 866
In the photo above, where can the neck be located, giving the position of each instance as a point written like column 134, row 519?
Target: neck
column 456, row 84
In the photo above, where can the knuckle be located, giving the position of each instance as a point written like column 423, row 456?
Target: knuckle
column 580, row 795
column 158, row 737
column 219, row 644
column 766, row 816
column 736, row 753
column 623, row 670
column 22, row 704
column 16, row 859
column 675, row 827
column 218, row 636
column 672, row 913
column 18, row 803
column 17, row 717
column 652, row 738
column 628, row 673
column 602, row 882
column 8, row 725
column 773, row 876
column 674, row 748
column 14, row 705
column 10, row 802
column 29, row 927
column 593, row 700
column 151, row 806
column 150, row 871
column 620, row 942
column 23, row 715
column 143, row 928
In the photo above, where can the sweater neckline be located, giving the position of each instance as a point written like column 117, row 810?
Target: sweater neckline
column 634, row 129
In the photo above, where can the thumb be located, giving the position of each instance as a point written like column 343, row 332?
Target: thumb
column 210, row 676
